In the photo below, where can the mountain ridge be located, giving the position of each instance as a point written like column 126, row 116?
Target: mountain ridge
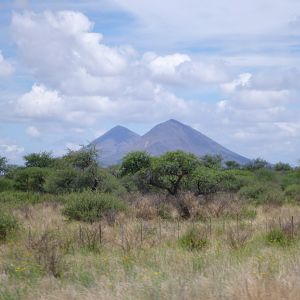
column 167, row 136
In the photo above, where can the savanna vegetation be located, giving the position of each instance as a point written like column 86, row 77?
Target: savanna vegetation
column 169, row 227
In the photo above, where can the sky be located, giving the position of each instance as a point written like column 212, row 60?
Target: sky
column 71, row 70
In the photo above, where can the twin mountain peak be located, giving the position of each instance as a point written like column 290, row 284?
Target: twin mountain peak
column 168, row 136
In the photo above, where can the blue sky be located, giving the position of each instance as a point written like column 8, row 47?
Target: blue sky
column 70, row 70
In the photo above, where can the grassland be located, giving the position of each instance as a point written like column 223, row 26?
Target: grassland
column 233, row 251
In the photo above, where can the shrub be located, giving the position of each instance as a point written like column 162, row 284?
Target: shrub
column 61, row 181
column 278, row 237
column 90, row 207
column 30, row 179
column 6, row 184
column 108, row 183
column 194, row 239
column 259, row 193
column 253, row 191
column 273, row 196
column 292, row 192
column 8, row 224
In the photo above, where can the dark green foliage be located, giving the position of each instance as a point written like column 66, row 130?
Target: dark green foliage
column 231, row 164
column 168, row 170
column 280, row 166
column 134, row 162
column 253, row 191
column 76, row 171
column 278, row 237
column 61, row 181
column 30, row 179
column 266, row 175
column 256, row 164
column 91, row 207
column 233, row 180
column 39, row 160
column 8, row 224
column 206, row 180
column 212, row 161
column 289, row 178
column 292, row 192
column 85, row 158
column 108, row 183
column 262, row 193
column 6, row 184
column 194, row 239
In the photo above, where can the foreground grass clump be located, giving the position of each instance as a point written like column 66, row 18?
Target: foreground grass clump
column 91, row 207
column 279, row 238
column 194, row 239
column 8, row 224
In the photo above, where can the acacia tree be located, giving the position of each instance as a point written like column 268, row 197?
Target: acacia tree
column 135, row 162
column 212, row 161
column 168, row 170
column 39, row 160
column 206, row 180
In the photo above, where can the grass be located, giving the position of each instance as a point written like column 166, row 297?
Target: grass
column 131, row 258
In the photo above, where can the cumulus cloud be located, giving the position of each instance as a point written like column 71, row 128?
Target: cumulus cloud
column 242, row 81
column 40, row 103
column 62, row 51
column 10, row 149
column 33, row 131
column 6, row 68
column 82, row 82
column 180, row 68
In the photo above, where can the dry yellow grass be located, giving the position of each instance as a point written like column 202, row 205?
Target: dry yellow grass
column 132, row 263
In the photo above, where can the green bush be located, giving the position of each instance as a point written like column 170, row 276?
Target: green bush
column 253, row 191
column 8, row 224
column 30, row 179
column 278, row 237
column 90, row 206
column 108, row 183
column 289, row 178
column 6, row 184
column 194, row 239
column 266, row 175
column 292, row 192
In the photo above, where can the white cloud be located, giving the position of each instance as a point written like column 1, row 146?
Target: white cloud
column 83, row 83
column 10, row 149
column 242, row 81
column 40, row 103
column 194, row 19
column 180, row 68
column 6, row 68
column 72, row 146
column 62, row 51
column 33, row 131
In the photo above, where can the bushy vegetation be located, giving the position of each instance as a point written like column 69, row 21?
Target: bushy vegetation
column 8, row 224
column 91, row 207
column 147, row 227
column 194, row 239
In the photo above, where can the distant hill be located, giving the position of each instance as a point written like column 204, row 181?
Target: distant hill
column 168, row 136
column 114, row 144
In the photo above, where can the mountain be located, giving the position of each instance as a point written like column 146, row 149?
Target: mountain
column 168, row 136
column 114, row 144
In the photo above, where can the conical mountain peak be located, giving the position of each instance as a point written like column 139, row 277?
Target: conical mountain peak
column 171, row 135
